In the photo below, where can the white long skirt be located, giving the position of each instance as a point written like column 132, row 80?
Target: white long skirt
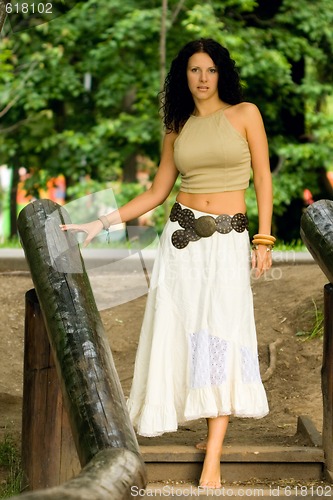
column 197, row 354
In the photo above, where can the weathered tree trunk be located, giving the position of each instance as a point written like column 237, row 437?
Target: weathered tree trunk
column 49, row 456
column 3, row 13
column 13, row 202
column 90, row 386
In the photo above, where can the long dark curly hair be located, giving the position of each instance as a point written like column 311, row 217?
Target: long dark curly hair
column 177, row 100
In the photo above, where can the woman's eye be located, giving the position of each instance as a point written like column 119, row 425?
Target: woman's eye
column 213, row 70
column 194, row 70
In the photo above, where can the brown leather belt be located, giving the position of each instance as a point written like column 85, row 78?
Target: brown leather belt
column 204, row 226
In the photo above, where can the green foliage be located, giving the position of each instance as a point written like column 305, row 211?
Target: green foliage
column 79, row 95
column 10, row 460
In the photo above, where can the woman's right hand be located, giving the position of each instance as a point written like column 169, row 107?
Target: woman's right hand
column 90, row 228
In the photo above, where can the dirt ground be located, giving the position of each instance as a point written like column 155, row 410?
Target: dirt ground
column 284, row 305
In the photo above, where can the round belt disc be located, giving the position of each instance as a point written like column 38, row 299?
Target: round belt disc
column 186, row 218
column 175, row 211
column 223, row 224
column 205, row 226
column 180, row 239
column 239, row 222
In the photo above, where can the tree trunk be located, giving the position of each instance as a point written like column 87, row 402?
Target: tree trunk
column 13, row 202
column 163, row 35
column 3, row 13
column 129, row 172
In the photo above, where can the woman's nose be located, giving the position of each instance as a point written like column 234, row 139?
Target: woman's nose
column 203, row 76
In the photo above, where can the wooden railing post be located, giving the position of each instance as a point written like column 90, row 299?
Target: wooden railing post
column 103, row 434
column 327, row 380
column 49, row 456
column 317, row 234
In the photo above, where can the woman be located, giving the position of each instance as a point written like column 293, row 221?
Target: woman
column 197, row 354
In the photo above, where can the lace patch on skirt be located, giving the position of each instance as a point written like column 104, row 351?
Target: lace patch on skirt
column 208, row 359
column 250, row 366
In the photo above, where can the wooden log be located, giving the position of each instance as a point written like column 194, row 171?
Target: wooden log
column 113, row 474
column 48, row 454
column 327, row 380
column 317, row 234
column 89, row 382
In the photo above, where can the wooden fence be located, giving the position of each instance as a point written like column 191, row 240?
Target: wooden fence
column 104, row 439
column 317, row 234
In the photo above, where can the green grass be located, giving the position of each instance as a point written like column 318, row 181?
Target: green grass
column 317, row 329
column 293, row 246
column 10, row 462
column 14, row 243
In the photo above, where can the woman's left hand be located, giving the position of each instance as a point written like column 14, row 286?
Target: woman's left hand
column 261, row 260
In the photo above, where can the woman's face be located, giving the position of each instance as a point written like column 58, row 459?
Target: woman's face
column 202, row 76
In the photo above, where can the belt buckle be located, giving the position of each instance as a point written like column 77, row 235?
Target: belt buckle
column 205, row 226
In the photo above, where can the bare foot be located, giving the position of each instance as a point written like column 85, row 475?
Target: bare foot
column 211, row 485
column 211, row 471
column 202, row 445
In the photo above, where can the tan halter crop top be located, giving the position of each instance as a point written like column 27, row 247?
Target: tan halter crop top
column 211, row 155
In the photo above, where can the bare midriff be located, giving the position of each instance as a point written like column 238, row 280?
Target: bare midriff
column 228, row 202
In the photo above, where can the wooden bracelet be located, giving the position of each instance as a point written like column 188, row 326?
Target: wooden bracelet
column 262, row 241
column 265, row 236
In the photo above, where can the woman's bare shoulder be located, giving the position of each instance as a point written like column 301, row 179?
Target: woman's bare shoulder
column 248, row 108
column 248, row 114
column 169, row 138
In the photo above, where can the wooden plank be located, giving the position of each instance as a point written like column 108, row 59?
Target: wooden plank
column 306, row 427
column 234, row 453
column 237, row 471
column 48, row 453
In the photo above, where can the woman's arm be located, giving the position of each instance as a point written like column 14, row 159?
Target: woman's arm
column 257, row 140
column 160, row 189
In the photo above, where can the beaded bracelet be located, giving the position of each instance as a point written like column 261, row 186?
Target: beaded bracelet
column 106, row 226
column 269, row 248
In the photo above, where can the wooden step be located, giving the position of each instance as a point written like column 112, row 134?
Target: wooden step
column 181, row 463
column 238, row 463
column 307, row 491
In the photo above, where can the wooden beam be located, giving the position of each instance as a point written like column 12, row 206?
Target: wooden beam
column 89, row 382
column 327, row 381
column 48, row 454
column 317, row 233
column 110, row 475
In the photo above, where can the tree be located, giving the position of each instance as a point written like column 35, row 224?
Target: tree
column 80, row 93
